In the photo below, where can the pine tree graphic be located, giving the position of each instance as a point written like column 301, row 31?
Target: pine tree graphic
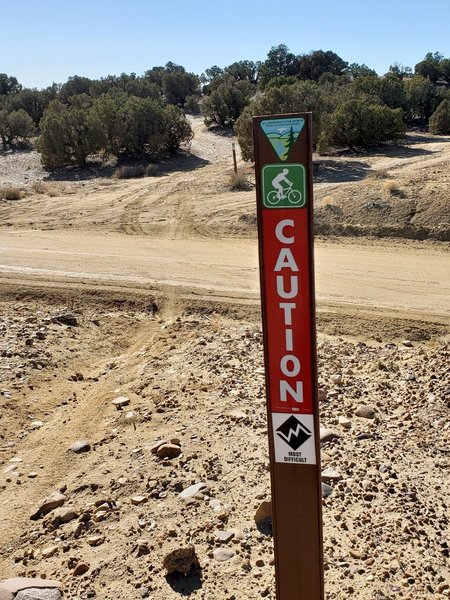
column 291, row 140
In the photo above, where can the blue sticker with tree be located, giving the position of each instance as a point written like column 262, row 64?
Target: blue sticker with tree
column 282, row 134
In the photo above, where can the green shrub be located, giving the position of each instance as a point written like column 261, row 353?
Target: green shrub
column 300, row 97
column 15, row 125
column 151, row 170
column 226, row 103
column 191, row 105
column 440, row 119
column 130, row 172
column 359, row 124
column 115, row 124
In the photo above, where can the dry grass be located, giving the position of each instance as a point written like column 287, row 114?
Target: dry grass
column 42, row 187
column 328, row 201
column 239, row 181
column 136, row 171
column 393, row 188
column 379, row 174
column 11, row 193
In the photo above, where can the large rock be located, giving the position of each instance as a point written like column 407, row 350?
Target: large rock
column 181, row 560
column 39, row 594
column 25, row 588
column 50, row 503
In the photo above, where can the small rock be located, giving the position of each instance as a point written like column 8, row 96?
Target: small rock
column 120, row 402
column 80, row 446
column 36, row 424
column 264, row 512
column 365, row 412
column 66, row 318
column 331, row 475
column 32, row 474
column 223, row 554
column 327, row 435
column 153, row 448
column 337, row 378
column 181, row 560
column 137, row 500
column 141, row 548
column 95, row 540
column 407, row 343
column 237, row 414
column 168, row 451
column 345, row 422
column 81, row 568
column 193, row 490
column 224, row 536
column 327, row 490
column 49, row 551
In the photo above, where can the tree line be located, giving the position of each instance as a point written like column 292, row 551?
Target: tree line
column 144, row 116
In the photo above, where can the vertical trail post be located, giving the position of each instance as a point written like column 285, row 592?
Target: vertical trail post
column 233, row 147
column 283, row 172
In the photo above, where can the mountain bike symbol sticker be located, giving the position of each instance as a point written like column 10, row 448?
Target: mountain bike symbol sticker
column 294, row 439
column 284, row 186
column 282, row 134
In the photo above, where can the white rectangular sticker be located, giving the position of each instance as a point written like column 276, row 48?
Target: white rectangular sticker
column 294, row 438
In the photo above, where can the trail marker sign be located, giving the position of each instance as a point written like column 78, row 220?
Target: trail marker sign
column 283, row 168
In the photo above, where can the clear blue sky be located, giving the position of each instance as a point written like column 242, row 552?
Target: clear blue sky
column 48, row 40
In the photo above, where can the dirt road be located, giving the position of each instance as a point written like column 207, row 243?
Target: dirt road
column 371, row 275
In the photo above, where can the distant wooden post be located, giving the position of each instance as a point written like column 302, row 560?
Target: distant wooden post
column 233, row 146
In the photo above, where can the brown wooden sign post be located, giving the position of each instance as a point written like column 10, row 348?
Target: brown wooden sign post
column 283, row 168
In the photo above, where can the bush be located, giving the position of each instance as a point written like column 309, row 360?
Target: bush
column 226, row 103
column 69, row 134
column 440, row 119
column 300, row 97
column 239, row 181
column 129, row 172
column 114, row 124
column 191, row 105
column 11, row 193
column 359, row 124
column 136, row 171
column 50, row 189
column 151, row 170
column 15, row 125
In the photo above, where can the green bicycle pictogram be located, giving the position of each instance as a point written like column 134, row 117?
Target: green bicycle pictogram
column 284, row 186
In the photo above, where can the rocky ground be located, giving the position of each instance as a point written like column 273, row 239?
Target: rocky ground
column 88, row 396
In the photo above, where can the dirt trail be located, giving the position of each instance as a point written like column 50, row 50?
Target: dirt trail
column 371, row 275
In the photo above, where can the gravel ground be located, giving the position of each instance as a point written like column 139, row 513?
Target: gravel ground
column 197, row 381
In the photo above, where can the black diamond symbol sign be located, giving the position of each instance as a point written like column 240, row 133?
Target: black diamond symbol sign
column 294, row 433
